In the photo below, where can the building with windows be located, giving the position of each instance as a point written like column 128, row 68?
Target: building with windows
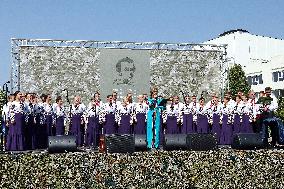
column 262, row 58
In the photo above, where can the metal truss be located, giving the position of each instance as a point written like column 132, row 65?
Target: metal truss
column 17, row 43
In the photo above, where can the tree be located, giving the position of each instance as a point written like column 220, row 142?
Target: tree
column 280, row 110
column 237, row 80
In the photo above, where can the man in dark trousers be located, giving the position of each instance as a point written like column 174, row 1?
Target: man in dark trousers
column 268, row 106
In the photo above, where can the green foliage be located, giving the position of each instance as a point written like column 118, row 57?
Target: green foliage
column 265, row 100
column 238, row 80
column 280, row 110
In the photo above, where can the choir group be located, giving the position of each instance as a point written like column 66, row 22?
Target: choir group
column 30, row 119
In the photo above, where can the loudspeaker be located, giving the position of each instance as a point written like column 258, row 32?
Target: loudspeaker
column 247, row 141
column 59, row 144
column 176, row 142
column 140, row 142
column 116, row 143
column 202, row 142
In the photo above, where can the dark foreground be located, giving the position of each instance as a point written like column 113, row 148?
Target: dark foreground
column 223, row 168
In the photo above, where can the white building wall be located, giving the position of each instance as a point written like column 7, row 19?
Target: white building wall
column 257, row 54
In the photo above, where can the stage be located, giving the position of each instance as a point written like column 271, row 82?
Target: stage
column 221, row 168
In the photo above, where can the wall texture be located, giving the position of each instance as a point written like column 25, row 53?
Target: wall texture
column 85, row 70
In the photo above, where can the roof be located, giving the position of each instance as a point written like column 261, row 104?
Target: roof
column 233, row 31
column 240, row 30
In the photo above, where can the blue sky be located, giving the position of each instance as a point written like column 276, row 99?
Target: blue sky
column 133, row 20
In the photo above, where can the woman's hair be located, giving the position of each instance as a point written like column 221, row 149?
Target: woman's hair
column 238, row 96
column 154, row 89
column 227, row 98
column 58, row 99
column 16, row 93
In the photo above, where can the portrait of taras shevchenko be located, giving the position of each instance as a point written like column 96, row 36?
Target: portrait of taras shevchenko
column 125, row 69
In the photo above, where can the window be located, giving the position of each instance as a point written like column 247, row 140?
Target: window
column 278, row 76
column 255, row 80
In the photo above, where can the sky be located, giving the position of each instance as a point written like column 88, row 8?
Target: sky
column 176, row 21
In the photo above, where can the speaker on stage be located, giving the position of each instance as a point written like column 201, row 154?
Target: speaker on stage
column 116, row 143
column 140, row 142
column 60, row 144
column 247, row 141
column 202, row 142
column 176, row 142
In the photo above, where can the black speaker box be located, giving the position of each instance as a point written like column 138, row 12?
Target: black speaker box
column 202, row 142
column 140, row 142
column 176, row 142
column 60, row 144
column 116, row 143
column 247, row 141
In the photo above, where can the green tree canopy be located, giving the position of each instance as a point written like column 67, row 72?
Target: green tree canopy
column 237, row 80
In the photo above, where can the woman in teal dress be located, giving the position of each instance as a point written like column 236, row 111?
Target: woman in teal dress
column 156, row 105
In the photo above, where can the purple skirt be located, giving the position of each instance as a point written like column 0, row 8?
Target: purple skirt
column 237, row 124
column 92, row 133
column 41, row 134
column 124, row 127
column 202, row 124
column 226, row 132
column 30, row 131
column 110, row 125
column 48, row 122
column 140, row 126
column 15, row 137
column 77, row 129
column 59, row 125
column 188, row 126
column 246, row 125
column 171, row 125
column 216, row 127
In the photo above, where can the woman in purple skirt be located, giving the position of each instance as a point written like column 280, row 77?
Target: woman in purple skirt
column 187, row 117
column 227, row 127
column 59, row 116
column 216, row 119
column 15, row 137
column 238, row 111
column 48, row 114
column 77, row 120
column 92, row 121
column 247, row 117
column 202, row 119
column 124, row 117
column 193, row 106
column 107, row 117
column 171, row 117
column 214, row 109
column 139, row 111
column 30, row 128
column 41, row 131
